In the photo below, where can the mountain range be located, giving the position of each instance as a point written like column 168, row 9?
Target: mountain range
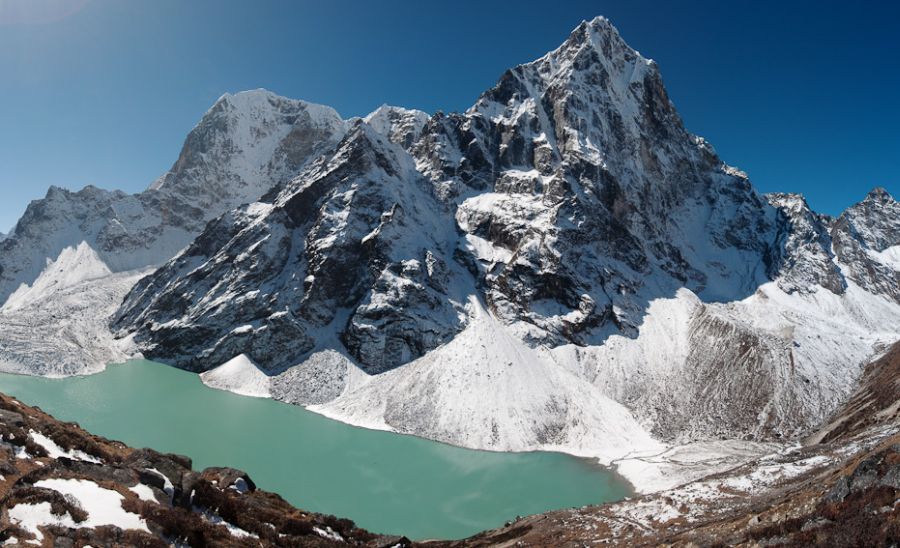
column 563, row 266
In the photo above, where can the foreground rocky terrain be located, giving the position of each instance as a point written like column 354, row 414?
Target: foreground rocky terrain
column 61, row 486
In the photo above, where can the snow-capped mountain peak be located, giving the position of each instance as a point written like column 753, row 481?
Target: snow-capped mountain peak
column 401, row 125
column 881, row 195
column 243, row 146
column 246, row 143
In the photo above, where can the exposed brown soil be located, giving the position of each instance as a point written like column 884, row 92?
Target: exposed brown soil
column 876, row 401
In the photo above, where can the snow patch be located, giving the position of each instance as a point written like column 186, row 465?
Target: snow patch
column 215, row 519
column 32, row 516
column 238, row 375
column 168, row 487
column 888, row 257
column 55, row 451
column 328, row 533
column 103, row 506
column 144, row 492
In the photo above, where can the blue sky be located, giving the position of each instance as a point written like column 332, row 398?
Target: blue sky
column 802, row 97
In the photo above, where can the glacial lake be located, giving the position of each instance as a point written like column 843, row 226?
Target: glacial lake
column 385, row 482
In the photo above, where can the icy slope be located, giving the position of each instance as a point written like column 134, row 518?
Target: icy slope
column 59, row 325
column 486, row 389
column 72, row 267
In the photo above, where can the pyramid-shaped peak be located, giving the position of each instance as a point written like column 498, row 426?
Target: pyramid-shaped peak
column 879, row 194
column 601, row 23
column 600, row 34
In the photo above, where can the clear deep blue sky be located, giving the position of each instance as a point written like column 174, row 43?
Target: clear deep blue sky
column 804, row 97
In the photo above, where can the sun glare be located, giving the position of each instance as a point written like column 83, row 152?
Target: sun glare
column 37, row 12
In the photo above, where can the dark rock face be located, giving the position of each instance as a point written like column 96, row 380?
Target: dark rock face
column 802, row 259
column 341, row 240
column 404, row 315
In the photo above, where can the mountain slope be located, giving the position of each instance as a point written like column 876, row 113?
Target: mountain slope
column 353, row 248
column 839, row 488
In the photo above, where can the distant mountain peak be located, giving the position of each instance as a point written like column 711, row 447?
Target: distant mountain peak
column 248, row 142
column 400, row 125
column 879, row 194
column 602, row 36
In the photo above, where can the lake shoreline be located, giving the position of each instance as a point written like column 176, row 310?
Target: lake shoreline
column 466, row 490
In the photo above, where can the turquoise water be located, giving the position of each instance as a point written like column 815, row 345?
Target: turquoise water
column 385, row 482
